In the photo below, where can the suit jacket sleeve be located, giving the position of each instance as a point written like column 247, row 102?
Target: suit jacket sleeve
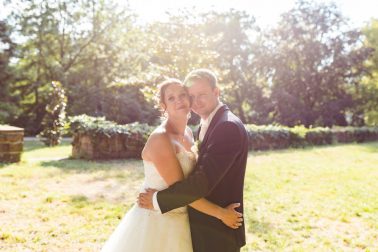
column 222, row 149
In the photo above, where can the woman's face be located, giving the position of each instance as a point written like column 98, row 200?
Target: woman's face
column 176, row 101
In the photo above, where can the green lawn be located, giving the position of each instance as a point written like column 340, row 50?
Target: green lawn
column 323, row 199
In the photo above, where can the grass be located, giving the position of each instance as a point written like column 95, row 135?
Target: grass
column 315, row 199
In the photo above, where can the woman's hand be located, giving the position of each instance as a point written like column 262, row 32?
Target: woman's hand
column 230, row 217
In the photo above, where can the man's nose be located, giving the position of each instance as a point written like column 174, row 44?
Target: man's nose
column 193, row 99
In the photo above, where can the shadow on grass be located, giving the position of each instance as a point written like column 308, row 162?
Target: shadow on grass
column 79, row 165
column 367, row 146
column 370, row 147
column 36, row 145
column 3, row 165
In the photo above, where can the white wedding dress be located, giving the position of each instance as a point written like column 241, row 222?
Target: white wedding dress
column 143, row 230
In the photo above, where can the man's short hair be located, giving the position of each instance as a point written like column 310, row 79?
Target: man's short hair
column 201, row 74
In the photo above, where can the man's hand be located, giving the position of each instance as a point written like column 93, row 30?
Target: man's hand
column 145, row 199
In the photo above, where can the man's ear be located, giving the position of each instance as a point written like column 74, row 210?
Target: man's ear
column 216, row 91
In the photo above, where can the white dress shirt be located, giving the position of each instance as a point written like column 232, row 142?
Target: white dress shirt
column 206, row 122
column 204, row 126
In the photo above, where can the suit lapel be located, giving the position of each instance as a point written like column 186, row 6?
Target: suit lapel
column 197, row 133
column 213, row 122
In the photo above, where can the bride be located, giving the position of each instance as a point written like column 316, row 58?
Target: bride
column 167, row 158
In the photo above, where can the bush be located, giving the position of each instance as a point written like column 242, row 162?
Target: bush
column 100, row 126
column 55, row 118
column 319, row 136
column 279, row 137
column 112, row 140
column 97, row 138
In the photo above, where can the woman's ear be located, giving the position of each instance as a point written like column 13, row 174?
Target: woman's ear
column 163, row 107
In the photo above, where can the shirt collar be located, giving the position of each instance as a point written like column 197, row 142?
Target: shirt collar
column 210, row 117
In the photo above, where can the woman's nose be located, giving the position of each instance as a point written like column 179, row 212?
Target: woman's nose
column 179, row 100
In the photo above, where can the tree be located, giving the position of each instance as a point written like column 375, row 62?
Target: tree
column 369, row 87
column 78, row 43
column 220, row 42
column 8, row 109
column 317, row 64
column 240, row 63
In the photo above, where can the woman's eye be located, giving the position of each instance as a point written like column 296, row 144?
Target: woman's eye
column 171, row 98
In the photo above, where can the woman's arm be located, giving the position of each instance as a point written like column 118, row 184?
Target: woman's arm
column 229, row 216
column 161, row 153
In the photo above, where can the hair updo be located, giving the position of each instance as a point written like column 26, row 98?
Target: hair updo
column 162, row 87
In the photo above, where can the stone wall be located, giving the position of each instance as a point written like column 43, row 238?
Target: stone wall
column 101, row 146
column 11, row 143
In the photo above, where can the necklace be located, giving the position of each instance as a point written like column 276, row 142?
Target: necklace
column 179, row 137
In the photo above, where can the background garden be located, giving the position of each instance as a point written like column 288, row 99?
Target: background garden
column 306, row 89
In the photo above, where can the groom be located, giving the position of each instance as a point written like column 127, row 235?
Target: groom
column 219, row 173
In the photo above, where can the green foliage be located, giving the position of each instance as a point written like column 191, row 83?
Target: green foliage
column 55, row 117
column 319, row 136
column 127, row 104
column 309, row 69
column 271, row 137
column 240, row 64
column 77, row 43
column 280, row 137
column 100, row 126
column 369, row 87
column 8, row 108
column 317, row 63
column 260, row 137
column 219, row 41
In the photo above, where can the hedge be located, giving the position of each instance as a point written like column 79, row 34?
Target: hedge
column 260, row 137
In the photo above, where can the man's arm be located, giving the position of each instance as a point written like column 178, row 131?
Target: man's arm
column 223, row 149
column 228, row 215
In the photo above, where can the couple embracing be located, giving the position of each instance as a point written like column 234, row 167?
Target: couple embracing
column 190, row 201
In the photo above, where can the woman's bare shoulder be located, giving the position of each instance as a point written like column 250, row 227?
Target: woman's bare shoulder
column 158, row 141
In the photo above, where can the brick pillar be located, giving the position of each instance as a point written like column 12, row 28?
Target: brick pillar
column 11, row 143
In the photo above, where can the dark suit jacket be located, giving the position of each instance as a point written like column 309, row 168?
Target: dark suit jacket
column 219, row 177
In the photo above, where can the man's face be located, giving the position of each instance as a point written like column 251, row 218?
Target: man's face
column 204, row 97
